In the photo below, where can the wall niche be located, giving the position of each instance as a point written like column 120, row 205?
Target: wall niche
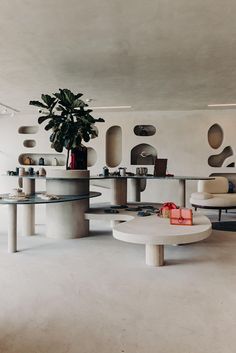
column 28, row 129
column 49, row 159
column 144, row 130
column 143, row 154
column 215, row 136
column 92, row 156
column 217, row 160
column 113, row 146
column 29, row 143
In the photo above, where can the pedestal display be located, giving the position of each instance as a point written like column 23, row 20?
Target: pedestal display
column 67, row 221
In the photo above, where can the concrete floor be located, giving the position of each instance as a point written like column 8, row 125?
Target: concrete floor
column 97, row 295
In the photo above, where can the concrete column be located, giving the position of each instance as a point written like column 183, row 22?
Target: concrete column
column 119, row 191
column 28, row 217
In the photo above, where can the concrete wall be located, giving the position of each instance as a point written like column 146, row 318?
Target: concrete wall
column 181, row 137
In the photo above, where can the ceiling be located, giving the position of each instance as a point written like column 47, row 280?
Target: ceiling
column 152, row 54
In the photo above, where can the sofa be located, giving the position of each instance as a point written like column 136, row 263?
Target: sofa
column 213, row 194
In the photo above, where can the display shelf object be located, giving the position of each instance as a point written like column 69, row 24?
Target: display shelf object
column 113, row 146
column 144, row 130
column 49, row 159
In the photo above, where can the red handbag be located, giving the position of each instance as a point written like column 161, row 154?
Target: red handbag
column 165, row 209
column 181, row 216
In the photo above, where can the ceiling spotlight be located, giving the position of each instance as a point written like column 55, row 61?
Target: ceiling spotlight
column 113, row 107
column 222, row 105
column 7, row 111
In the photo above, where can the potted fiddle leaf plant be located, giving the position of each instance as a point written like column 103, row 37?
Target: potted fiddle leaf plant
column 71, row 122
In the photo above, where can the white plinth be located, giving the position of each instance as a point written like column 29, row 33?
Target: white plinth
column 66, row 220
column 28, row 217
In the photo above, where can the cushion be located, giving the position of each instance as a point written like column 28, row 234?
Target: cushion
column 219, row 185
column 201, row 195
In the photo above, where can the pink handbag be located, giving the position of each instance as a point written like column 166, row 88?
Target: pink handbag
column 181, row 216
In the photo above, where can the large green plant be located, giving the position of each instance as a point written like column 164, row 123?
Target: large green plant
column 69, row 118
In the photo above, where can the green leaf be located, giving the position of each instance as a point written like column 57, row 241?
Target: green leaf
column 49, row 125
column 37, row 104
column 41, row 119
column 48, row 100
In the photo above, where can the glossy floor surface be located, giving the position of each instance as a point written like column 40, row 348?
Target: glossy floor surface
column 97, row 295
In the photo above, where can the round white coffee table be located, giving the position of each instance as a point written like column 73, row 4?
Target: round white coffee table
column 155, row 232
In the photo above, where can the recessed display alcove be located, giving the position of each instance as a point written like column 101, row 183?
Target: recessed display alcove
column 143, row 154
column 215, row 136
column 29, row 143
column 92, row 156
column 49, row 159
column 28, row 129
column 144, row 130
column 113, row 146
column 217, row 160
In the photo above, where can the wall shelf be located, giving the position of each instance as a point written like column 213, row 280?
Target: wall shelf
column 48, row 159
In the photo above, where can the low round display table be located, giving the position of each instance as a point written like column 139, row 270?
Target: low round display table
column 155, row 232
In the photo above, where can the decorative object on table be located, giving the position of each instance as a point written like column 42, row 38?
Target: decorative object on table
column 16, row 195
column 48, row 197
column 181, row 216
column 42, row 172
column 119, row 206
column 122, row 171
column 41, row 161
column 55, row 161
column 17, row 171
column 105, row 171
column 31, row 171
column 110, row 210
column 27, row 160
column 70, row 120
column 141, row 171
column 21, row 171
column 166, row 208
column 144, row 213
column 160, row 166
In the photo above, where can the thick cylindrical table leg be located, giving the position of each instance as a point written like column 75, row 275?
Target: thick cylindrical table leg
column 28, row 218
column 12, row 228
column 135, row 190
column 119, row 191
column 154, row 255
column 182, row 192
